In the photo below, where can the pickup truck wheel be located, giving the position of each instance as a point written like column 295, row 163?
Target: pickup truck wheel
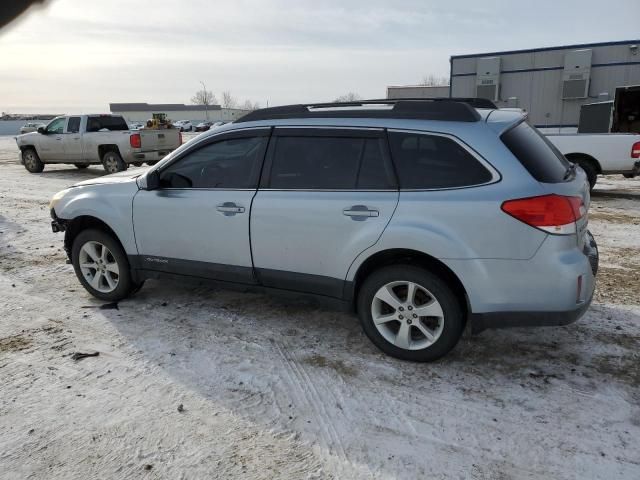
column 32, row 161
column 101, row 265
column 112, row 162
column 152, row 163
column 410, row 313
column 81, row 165
column 136, row 164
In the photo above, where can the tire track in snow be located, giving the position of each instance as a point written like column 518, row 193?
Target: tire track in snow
column 307, row 393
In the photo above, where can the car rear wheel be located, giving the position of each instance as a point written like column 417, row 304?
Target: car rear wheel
column 112, row 162
column 136, row 164
column 410, row 313
column 152, row 163
column 101, row 265
column 32, row 161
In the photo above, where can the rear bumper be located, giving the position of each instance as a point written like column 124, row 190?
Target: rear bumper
column 484, row 321
column 149, row 156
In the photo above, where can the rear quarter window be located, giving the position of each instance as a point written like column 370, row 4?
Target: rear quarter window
column 536, row 153
column 106, row 122
column 426, row 161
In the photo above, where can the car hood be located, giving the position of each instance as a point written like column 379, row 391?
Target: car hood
column 120, row 177
column 26, row 136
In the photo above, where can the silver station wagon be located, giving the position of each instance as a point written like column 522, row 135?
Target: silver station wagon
column 419, row 215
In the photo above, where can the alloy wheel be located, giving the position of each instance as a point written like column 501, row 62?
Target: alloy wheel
column 99, row 267
column 407, row 315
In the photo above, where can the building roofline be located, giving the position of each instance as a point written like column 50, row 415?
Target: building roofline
column 167, row 107
column 417, row 86
column 546, row 49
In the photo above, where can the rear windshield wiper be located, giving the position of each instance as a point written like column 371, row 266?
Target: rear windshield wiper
column 570, row 171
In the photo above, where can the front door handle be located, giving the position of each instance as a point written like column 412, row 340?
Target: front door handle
column 229, row 209
column 360, row 212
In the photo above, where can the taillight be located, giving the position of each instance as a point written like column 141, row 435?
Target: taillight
column 635, row 150
column 135, row 140
column 555, row 214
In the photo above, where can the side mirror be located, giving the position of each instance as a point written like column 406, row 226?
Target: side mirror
column 42, row 130
column 153, row 180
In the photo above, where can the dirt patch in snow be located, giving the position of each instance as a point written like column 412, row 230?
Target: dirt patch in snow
column 15, row 343
column 614, row 217
column 337, row 365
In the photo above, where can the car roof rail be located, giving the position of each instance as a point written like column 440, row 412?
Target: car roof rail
column 443, row 109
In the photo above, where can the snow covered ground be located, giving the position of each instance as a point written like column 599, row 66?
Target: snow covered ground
column 277, row 390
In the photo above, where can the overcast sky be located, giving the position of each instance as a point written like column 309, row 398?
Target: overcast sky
column 79, row 55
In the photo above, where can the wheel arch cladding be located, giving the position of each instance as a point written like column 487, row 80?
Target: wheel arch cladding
column 410, row 257
column 86, row 222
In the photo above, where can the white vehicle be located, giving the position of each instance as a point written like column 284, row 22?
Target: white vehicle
column 601, row 154
column 31, row 127
column 136, row 126
column 83, row 140
column 183, row 125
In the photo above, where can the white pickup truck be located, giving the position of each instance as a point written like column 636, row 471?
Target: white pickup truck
column 600, row 153
column 83, row 140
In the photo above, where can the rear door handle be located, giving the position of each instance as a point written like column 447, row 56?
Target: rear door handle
column 229, row 209
column 360, row 212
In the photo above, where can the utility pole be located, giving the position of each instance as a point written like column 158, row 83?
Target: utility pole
column 206, row 99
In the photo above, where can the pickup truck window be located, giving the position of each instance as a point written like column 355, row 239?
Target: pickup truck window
column 74, row 125
column 538, row 155
column 97, row 123
column 56, row 125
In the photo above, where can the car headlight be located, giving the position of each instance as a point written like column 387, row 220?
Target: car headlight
column 57, row 197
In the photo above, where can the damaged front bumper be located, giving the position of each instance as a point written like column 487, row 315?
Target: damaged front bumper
column 57, row 224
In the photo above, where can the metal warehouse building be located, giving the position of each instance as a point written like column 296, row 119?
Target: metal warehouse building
column 141, row 112
column 549, row 83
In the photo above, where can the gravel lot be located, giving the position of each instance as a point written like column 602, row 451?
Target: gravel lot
column 271, row 389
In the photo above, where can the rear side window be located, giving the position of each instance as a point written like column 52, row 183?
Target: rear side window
column 106, row 122
column 329, row 163
column 74, row 125
column 536, row 153
column 431, row 161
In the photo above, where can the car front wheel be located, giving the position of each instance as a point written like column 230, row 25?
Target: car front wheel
column 32, row 161
column 101, row 265
column 410, row 313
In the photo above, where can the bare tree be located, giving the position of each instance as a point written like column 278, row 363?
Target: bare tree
column 349, row 97
column 228, row 100
column 204, row 97
column 248, row 105
column 432, row 80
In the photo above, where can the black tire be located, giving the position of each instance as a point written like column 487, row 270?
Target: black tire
column 628, row 175
column 124, row 285
column 112, row 162
column 81, row 165
column 32, row 161
column 591, row 171
column 152, row 163
column 136, row 164
column 452, row 321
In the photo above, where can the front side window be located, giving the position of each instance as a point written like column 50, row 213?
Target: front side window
column 431, row 161
column 56, row 125
column 329, row 163
column 232, row 163
column 74, row 125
